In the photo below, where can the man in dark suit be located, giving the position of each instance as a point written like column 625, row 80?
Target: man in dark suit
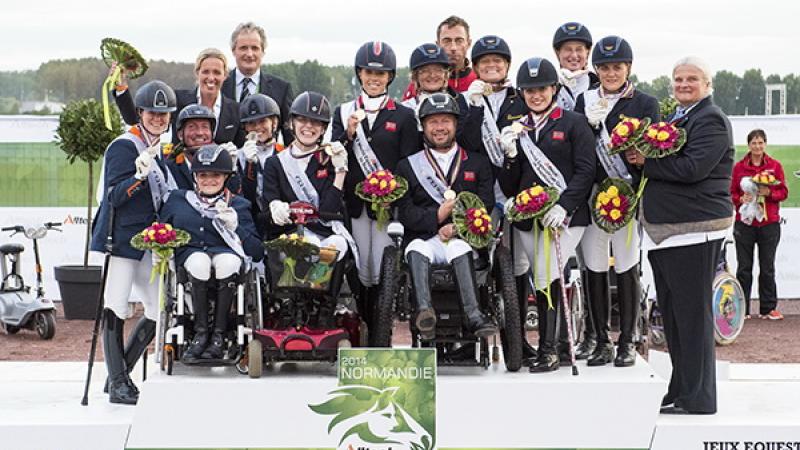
column 248, row 44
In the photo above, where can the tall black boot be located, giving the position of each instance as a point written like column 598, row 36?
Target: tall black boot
column 464, row 271
column 141, row 336
column 589, row 341
column 628, row 293
column 120, row 388
column 226, row 291
column 198, row 345
column 420, row 267
column 528, row 352
column 547, row 361
column 599, row 304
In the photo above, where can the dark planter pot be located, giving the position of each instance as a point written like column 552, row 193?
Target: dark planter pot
column 80, row 290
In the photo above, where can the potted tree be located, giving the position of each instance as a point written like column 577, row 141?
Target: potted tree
column 83, row 136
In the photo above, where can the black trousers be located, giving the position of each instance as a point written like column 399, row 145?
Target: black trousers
column 684, row 278
column 766, row 238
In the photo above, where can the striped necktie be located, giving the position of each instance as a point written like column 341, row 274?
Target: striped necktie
column 245, row 89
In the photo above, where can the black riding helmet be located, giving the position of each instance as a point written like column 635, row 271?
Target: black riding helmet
column 572, row 31
column 438, row 103
column 427, row 54
column 490, row 45
column 376, row 55
column 312, row 105
column 195, row 111
column 256, row 107
column 155, row 96
column 212, row 158
column 612, row 49
column 536, row 72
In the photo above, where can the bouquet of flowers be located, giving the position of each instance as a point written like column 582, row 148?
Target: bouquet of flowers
column 471, row 220
column 380, row 189
column 627, row 134
column 301, row 263
column 614, row 205
column 766, row 178
column 123, row 57
column 532, row 203
column 162, row 240
column 662, row 139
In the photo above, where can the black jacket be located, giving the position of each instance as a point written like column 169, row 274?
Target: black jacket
column 512, row 108
column 394, row 135
column 693, row 185
column 639, row 106
column 418, row 211
column 568, row 142
column 271, row 86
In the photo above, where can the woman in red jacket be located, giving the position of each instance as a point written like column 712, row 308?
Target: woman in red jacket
column 765, row 230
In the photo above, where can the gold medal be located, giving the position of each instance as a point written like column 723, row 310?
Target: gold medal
column 360, row 114
column 327, row 148
column 517, row 127
column 488, row 89
column 449, row 194
column 603, row 103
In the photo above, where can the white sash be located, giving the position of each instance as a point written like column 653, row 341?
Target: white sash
column 490, row 134
column 434, row 186
column 209, row 211
column 365, row 156
column 306, row 192
column 541, row 164
column 571, row 88
column 613, row 164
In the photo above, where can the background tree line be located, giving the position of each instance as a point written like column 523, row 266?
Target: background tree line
column 70, row 79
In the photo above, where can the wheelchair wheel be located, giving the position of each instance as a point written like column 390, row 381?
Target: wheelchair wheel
column 45, row 324
column 381, row 336
column 255, row 359
column 727, row 304
column 656, row 335
column 508, row 314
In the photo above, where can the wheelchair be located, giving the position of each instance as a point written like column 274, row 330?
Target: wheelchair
column 307, row 314
column 177, row 319
column 455, row 345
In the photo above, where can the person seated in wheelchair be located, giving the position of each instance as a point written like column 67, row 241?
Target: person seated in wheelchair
column 310, row 172
column 223, row 241
column 435, row 175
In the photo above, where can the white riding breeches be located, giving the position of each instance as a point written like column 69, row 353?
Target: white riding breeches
column 370, row 242
column 595, row 248
column 524, row 254
column 437, row 251
column 334, row 240
column 199, row 265
column 124, row 275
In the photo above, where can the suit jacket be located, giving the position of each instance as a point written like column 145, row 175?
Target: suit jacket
column 393, row 136
column 277, row 187
column 567, row 141
column 271, row 86
column 693, row 185
column 205, row 238
column 418, row 210
column 641, row 105
column 512, row 108
column 228, row 127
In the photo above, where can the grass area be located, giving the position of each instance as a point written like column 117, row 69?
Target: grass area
column 39, row 175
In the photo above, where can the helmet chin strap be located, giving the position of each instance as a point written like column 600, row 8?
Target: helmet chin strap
column 363, row 91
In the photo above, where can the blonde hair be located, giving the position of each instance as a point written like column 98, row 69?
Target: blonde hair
column 249, row 27
column 211, row 53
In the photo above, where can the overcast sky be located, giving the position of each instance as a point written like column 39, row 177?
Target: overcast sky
column 733, row 35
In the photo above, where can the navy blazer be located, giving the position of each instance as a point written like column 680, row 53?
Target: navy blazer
column 128, row 199
column 693, row 185
column 271, row 86
column 512, row 108
column 181, row 215
column 276, row 187
column 393, row 136
column 418, row 211
column 568, row 142
column 247, row 177
column 228, row 126
column 639, row 106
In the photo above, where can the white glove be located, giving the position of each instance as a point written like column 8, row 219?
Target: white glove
column 555, row 217
column 143, row 163
column 596, row 114
column 508, row 139
column 509, row 203
column 227, row 216
column 231, row 148
column 474, row 93
column 250, row 151
column 280, row 212
column 338, row 156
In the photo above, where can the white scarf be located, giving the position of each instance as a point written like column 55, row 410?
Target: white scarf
column 208, row 210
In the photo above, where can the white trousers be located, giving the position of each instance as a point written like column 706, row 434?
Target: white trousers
column 437, row 251
column 524, row 254
column 124, row 275
column 199, row 265
column 370, row 242
column 595, row 248
column 339, row 242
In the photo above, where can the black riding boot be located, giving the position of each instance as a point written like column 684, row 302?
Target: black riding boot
column 528, row 352
column 589, row 341
column 420, row 267
column 599, row 304
column 226, row 291
column 547, row 361
column 120, row 388
column 141, row 336
column 464, row 271
column 628, row 294
column 200, row 305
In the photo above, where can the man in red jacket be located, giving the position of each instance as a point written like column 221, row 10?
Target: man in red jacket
column 453, row 36
column 765, row 230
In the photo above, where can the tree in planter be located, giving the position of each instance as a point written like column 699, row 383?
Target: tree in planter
column 82, row 135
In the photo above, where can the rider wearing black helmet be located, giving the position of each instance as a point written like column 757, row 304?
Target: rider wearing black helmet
column 195, row 128
column 553, row 147
column 572, row 43
column 223, row 240
column 435, row 174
